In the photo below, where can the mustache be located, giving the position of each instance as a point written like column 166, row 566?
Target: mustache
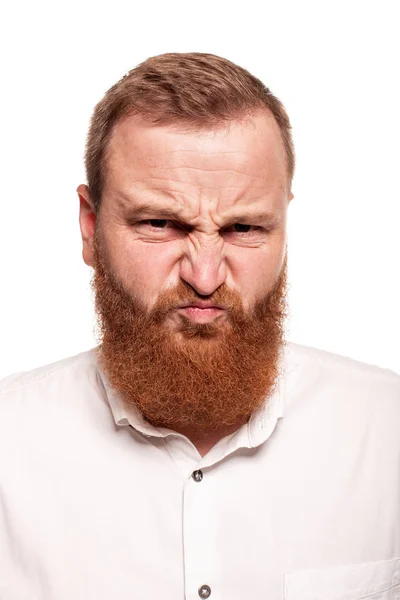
column 184, row 295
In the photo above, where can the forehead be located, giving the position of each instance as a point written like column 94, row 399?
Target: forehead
column 241, row 157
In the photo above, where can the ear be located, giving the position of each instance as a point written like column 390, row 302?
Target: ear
column 87, row 222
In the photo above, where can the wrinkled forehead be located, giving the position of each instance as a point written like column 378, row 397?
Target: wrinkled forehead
column 235, row 151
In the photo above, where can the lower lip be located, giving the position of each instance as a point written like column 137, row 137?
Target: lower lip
column 201, row 315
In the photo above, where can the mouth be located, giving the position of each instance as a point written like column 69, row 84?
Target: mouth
column 201, row 312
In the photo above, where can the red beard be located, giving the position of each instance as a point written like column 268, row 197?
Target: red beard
column 203, row 376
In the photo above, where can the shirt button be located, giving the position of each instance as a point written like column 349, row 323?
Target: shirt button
column 204, row 591
column 198, row 476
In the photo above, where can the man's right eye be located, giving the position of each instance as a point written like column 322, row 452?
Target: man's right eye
column 157, row 223
column 154, row 226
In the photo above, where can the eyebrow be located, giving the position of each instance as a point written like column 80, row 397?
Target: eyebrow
column 147, row 210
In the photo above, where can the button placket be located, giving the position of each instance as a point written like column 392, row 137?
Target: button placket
column 199, row 530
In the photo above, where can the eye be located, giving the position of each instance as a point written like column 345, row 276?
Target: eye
column 164, row 229
column 241, row 228
column 157, row 223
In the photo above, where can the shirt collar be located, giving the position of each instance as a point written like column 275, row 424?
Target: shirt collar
column 259, row 427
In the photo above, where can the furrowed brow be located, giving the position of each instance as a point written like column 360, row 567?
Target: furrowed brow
column 149, row 210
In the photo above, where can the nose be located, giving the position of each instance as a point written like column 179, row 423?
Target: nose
column 204, row 268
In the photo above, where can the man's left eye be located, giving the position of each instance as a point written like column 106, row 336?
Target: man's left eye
column 242, row 228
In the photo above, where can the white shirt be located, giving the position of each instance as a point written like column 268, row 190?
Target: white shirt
column 301, row 503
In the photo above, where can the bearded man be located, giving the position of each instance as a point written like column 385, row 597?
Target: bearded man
column 195, row 452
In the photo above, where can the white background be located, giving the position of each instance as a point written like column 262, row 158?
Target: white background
column 335, row 65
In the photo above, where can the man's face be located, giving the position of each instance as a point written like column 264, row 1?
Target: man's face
column 189, row 254
column 207, row 208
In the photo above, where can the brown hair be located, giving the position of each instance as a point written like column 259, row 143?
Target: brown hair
column 194, row 90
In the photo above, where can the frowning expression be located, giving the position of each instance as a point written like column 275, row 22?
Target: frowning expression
column 207, row 207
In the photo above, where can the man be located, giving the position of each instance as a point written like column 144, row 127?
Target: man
column 195, row 452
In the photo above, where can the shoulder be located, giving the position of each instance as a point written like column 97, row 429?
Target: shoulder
column 47, row 405
column 329, row 374
column 338, row 364
column 46, row 373
column 66, row 378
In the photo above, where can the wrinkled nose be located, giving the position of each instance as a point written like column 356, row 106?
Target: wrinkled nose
column 204, row 270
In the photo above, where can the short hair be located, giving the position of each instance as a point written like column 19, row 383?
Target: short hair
column 193, row 90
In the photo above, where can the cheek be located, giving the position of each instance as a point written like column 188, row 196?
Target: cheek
column 254, row 271
column 145, row 268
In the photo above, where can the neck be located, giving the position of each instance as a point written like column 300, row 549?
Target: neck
column 204, row 442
